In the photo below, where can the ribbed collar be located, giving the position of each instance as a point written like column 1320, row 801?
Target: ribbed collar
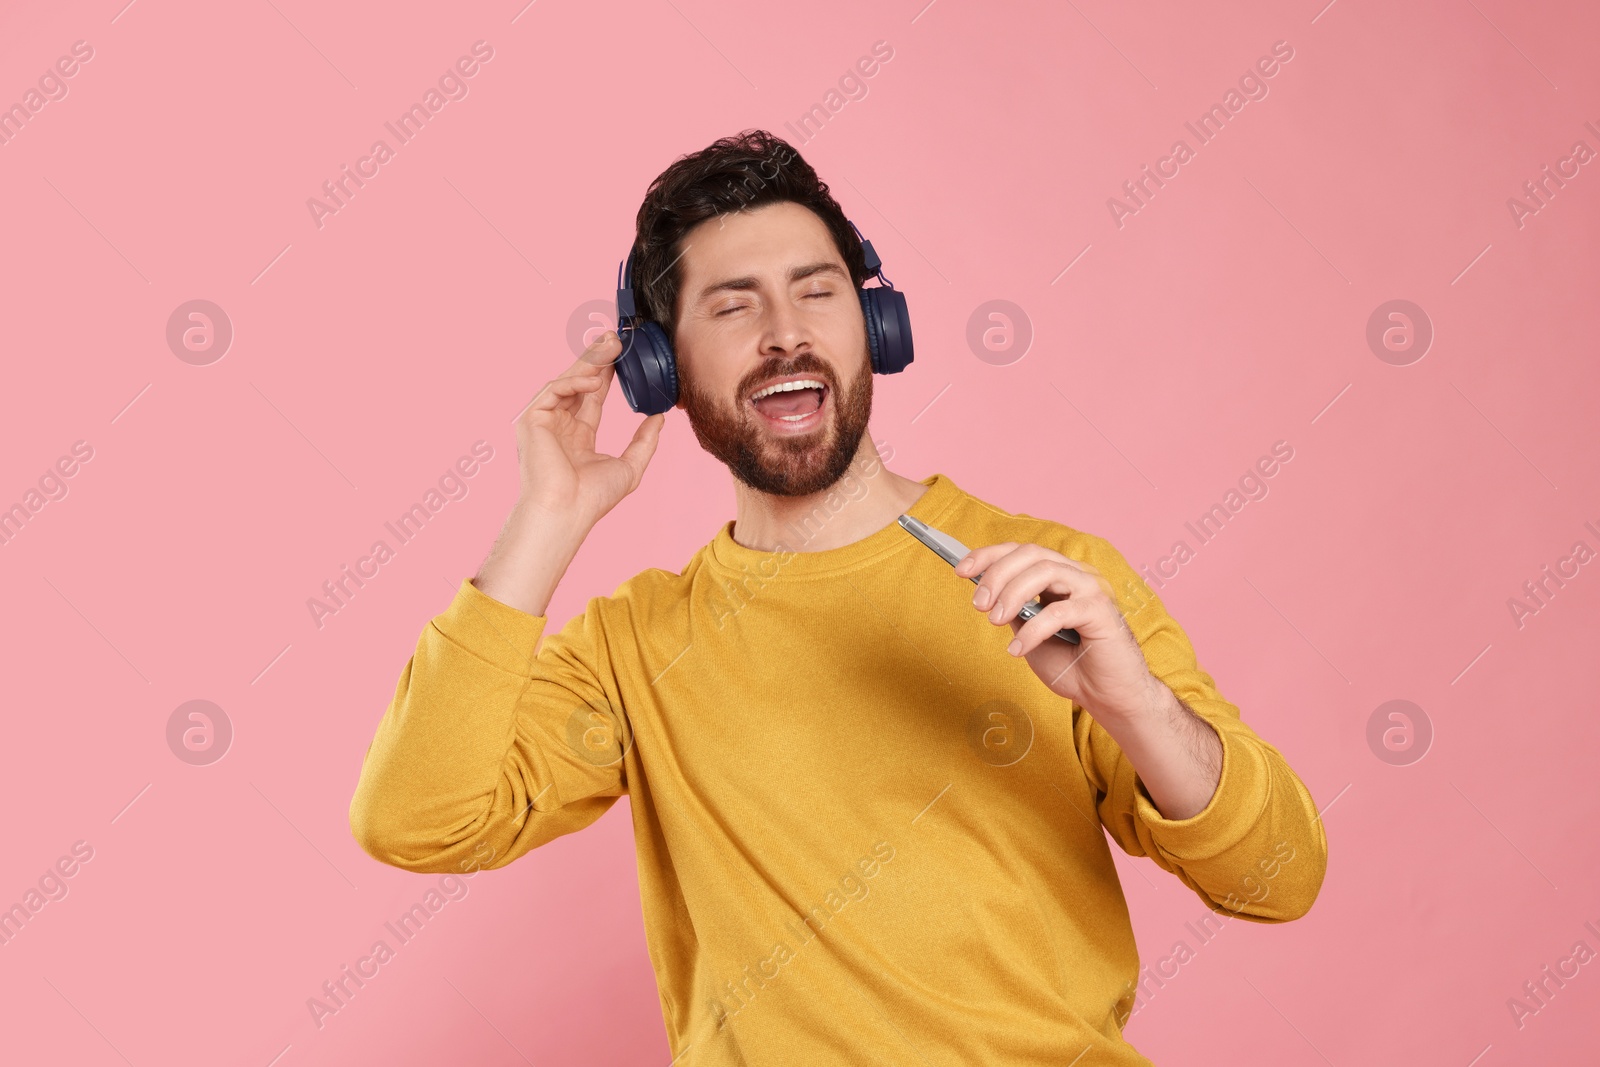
column 727, row 555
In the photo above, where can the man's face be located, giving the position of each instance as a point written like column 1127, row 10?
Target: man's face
column 766, row 298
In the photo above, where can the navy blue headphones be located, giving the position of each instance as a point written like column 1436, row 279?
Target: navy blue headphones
column 648, row 368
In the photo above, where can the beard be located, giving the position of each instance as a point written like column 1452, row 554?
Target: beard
column 776, row 464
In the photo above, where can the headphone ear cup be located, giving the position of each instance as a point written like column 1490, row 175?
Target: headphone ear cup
column 888, row 329
column 870, row 314
column 647, row 368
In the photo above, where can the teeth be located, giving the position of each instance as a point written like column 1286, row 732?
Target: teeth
column 784, row 387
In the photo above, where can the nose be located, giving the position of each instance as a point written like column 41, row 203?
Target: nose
column 784, row 329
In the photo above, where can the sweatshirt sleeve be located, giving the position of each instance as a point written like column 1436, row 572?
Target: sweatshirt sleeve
column 492, row 745
column 1257, row 849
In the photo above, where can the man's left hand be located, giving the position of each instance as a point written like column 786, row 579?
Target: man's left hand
column 1105, row 673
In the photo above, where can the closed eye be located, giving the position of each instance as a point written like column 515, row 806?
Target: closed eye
column 737, row 307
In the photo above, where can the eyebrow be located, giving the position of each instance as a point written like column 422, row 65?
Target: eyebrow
column 751, row 282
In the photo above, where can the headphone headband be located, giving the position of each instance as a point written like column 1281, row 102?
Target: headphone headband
column 625, row 305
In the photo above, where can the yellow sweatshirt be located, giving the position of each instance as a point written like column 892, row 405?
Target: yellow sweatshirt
column 864, row 832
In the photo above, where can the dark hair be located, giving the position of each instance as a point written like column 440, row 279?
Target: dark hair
column 748, row 170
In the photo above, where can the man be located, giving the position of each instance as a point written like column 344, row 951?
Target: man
column 867, row 808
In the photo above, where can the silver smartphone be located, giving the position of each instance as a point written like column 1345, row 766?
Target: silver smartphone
column 952, row 552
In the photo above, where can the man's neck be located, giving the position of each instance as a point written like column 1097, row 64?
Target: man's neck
column 868, row 497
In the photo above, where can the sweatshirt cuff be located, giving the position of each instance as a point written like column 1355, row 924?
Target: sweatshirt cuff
column 1228, row 816
column 495, row 632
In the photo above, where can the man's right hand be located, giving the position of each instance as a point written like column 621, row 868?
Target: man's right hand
column 562, row 474
column 567, row 486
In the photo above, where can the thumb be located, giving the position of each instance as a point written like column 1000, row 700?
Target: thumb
column 643, row 446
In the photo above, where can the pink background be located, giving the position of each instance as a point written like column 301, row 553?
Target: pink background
column 368, row 354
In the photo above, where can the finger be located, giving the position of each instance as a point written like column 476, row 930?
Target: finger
column 1033, row 581
column 601, row 355
column 557, row 392
column 594, row 401
column 978, row 559
column 596, row 361
column 977, row 565
column 595, row 369
column 1059, row 615
column 993, row 565
column 993, row 574
column 643, row 446
column 1017, row 587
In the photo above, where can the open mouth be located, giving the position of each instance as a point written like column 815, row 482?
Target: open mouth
column 792, row 406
